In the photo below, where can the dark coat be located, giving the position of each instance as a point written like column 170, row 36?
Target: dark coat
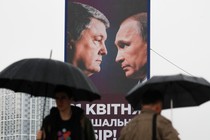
column 82, row 123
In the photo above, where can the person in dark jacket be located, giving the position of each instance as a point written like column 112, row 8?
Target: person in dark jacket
column 141, row 126
column 66, row 122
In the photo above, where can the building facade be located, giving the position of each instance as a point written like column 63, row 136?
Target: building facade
column 21, row 115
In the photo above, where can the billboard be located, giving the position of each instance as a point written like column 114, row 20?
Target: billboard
column 109, row 41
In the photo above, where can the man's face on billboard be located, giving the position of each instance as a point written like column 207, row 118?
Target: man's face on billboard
column 90, row 47
column 132, row 50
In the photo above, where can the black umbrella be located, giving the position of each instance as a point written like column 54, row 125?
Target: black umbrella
column 39, row 77
column 181, row 89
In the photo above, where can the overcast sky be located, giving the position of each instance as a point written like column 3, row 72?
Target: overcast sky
column 179, row 32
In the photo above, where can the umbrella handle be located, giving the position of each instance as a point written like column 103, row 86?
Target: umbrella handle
column 43, row 113
column 172, row 105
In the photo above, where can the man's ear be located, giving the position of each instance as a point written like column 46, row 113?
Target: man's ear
column 70, row 44
column 70, row 41
column 158, row 108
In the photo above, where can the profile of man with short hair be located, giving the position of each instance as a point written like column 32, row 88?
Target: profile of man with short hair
column 85, row 37
column 131, row 43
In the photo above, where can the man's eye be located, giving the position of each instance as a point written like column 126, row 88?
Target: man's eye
column 123, row 45
column 97, row 42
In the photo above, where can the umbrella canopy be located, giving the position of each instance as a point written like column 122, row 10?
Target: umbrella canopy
column 40, row 77
column 183, row 90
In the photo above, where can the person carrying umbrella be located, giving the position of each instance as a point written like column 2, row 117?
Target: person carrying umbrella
column 150, row 124
column 65, row 122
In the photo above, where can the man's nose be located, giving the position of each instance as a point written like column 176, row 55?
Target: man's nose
column 103, row 50
column 59, row 100
column 119, row 58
